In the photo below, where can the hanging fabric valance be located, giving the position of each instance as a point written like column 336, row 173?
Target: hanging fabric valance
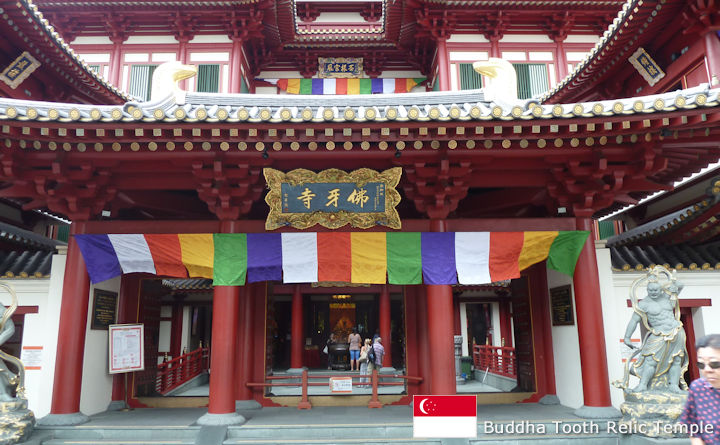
column 346, row 86
column 308, row 257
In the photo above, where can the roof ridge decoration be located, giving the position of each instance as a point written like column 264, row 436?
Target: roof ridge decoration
column 609, row 36
column 37, row 16
column 429, row 106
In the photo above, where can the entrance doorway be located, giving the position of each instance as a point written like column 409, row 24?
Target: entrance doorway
column 326, row 311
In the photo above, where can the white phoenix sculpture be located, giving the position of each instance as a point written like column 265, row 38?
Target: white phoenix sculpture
column 502, row 80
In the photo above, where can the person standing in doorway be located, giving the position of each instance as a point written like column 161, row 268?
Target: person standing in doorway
column 379, row 352
column 354, row 339
column 364, row 362
column 702, row 409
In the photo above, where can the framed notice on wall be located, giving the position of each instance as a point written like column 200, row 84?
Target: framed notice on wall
column 104, row 312
column 126, row 344
column 561, row 306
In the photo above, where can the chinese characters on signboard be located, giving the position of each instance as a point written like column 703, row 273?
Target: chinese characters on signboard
column 339, row 67
column 646, row 66
column 332, row 198
column 104, row 309
column 561, row 306
column 19, row 70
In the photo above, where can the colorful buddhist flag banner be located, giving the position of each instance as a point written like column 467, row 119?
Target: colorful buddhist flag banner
column 232, row 259
column 346, row 86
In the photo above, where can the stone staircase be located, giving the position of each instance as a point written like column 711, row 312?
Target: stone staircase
column 114, row 435
column 397, row 434
column 519, row 424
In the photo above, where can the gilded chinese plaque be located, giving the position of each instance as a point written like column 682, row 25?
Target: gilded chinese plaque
column 646, row 66
column 332, row 198
column 339, row 67
column 19, row 70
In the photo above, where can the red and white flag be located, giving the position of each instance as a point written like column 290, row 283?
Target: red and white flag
column 444, row 416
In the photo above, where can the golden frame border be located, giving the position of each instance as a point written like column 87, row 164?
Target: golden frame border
column 276, row 219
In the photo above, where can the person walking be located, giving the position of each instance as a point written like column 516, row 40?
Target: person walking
column 702, row 409
column 354, row 339
column 364, row 362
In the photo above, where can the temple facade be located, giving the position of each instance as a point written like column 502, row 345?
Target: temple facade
column 158, row 131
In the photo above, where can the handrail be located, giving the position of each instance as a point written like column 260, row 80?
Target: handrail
column 500, row 360
column 304, row 403
column 175, row 372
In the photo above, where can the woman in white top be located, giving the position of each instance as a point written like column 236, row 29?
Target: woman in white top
column 364, row 363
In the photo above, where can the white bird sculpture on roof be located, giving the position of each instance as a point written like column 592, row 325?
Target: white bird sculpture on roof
column 502, row 85
column 165, row 81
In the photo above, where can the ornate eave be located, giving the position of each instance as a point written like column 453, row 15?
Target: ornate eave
column 637, row 22
column 25, row 238
column 25, row 264
column 682, row 256
column 23, row 23
column 582, row 156
column 695, row 223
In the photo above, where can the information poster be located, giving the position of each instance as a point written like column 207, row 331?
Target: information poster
column 31, row 356
column 340, row 384
column 126, row 348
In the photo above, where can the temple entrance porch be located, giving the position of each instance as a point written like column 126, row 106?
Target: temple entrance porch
column 337, row 310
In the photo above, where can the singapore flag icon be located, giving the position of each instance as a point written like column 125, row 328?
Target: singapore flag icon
column 445, row 416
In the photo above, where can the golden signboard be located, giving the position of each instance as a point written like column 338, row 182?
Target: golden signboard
column 332, row 198
column 19, row 70
column 339, row 67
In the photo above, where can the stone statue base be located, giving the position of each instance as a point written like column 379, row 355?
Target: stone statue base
column 17, row 422
column 652, row 413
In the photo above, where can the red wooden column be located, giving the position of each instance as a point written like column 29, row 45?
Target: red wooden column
column 591, row 333
column 542, row 334
column 116, row 61
column 384, row 311
column 712, row 54
column 184, row 56
column 443, row 64
column 457, row 323
column 221, row 408
column 441, row 332
column 423, row 349
column 412, row 352
column 561, row 66
column 296, row 329
column 176, row 329
column 505, row 323
column 127, row 313
column 223, row 348
column 246, row 344
column 65, row 406
column 494, row 45
column 235, row 65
